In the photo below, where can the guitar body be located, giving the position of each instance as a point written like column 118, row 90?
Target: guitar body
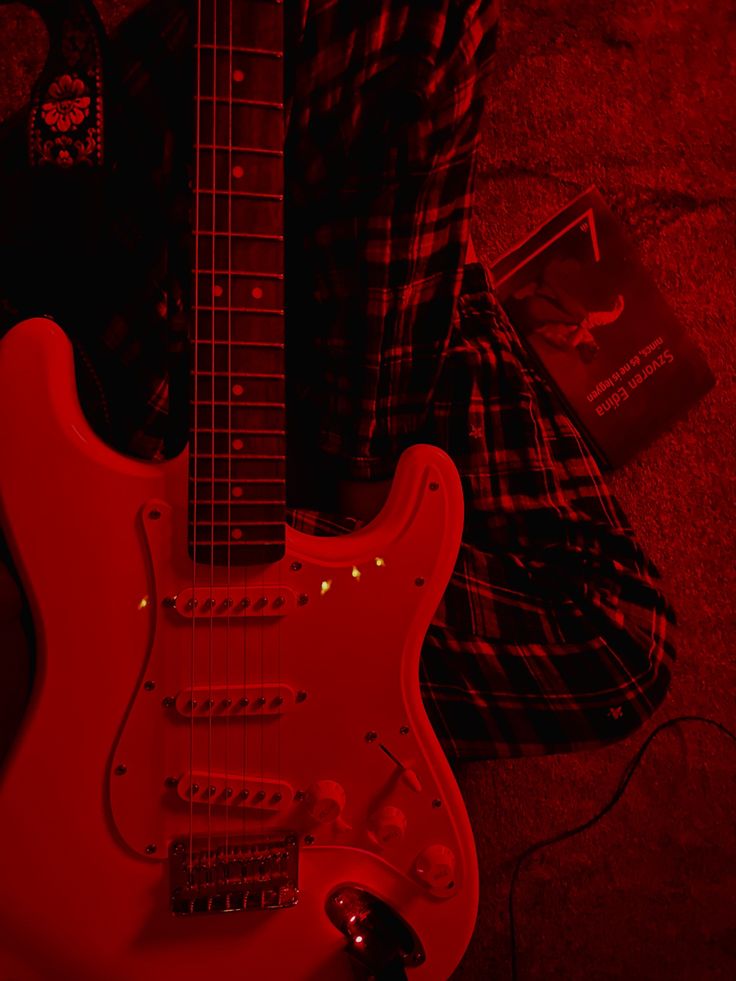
column 136, row 749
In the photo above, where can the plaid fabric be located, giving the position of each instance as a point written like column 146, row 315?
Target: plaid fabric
column 552, row 635
column 383, row 129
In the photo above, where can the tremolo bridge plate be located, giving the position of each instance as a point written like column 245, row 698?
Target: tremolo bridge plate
column 226, row 875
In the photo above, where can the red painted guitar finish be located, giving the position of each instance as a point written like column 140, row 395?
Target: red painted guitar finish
column 332, row 758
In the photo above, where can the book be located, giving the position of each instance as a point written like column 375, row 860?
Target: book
column 599, row 329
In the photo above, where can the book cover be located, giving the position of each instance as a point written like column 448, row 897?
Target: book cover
column 600, row 329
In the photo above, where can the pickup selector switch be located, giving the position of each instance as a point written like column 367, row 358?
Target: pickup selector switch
column 325, row 800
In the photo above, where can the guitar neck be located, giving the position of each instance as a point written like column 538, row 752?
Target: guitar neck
column 237, row 476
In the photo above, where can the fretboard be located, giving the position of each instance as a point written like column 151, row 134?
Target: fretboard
column 238, row 441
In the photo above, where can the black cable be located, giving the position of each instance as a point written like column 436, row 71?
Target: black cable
column 623, row 783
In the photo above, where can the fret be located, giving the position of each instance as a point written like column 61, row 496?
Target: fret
column 244, row 359
column 226, row 213
column 252, row 73
column 251, row 375
column 223, row 124
column 236, row 407
column 232, row 149
column 231, row 192
column 236, row 435
column 230, row 100
column 239, row 521
column 240, row 172
column 233, row 375
column 222, row 250
column 238, row 235
column 241, row 405
column 233, row 503
column 240, row 49
column 207, row 342
column 236, row 472
column 236, row 403
column 272, row 512
column 250, row 274
column 233, row 406
column 238, row 374
column 259, row 386
column 263, row 386
column 248, row 432
column 273, row 437
column 262, row 312
column 227, row 543
column 238, row 502
column 237, row 456
column 251, row 480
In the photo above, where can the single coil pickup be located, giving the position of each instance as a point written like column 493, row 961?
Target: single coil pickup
column 235, row 702
column 227, row 602
column 223, row 875
column 235, row 792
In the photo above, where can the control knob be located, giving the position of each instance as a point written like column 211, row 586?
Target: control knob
column 387, row 825
column 435, row 867
column 325, row 800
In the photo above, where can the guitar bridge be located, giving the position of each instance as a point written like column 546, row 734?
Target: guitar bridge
column 227, row 875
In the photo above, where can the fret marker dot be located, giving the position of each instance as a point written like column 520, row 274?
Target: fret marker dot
column 238, row 171
column 237, row 444
column 238, row 75
column 237, row 491
column 217, row 291
column 238, row 389
column 237, row 533
column 257, row 293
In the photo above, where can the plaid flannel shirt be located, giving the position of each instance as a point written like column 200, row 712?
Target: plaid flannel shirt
column 552, row 634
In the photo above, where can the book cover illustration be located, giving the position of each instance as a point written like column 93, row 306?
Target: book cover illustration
column 600, row 329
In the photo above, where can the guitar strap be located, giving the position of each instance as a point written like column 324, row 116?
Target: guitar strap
column 95, row 232
column 66, row 123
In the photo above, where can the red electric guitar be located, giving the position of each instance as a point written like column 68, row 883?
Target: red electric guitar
column 226, row 716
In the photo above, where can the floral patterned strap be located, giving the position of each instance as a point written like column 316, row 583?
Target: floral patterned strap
column 66, row 122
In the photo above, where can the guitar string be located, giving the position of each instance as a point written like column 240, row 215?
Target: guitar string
column 282, row 508
column 213, row 335
column 231, row 141
column 195, row 419
column 244, row 733
column 259, row 811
